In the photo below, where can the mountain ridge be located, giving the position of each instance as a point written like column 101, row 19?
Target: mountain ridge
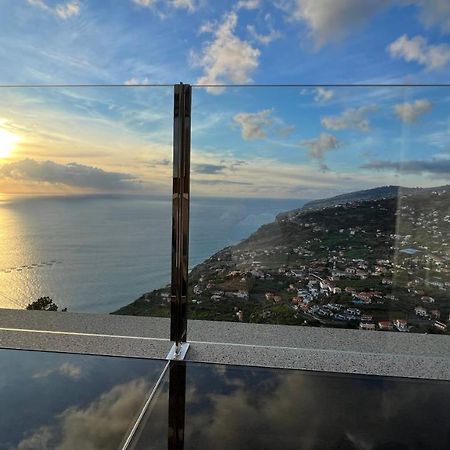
column 376, row 193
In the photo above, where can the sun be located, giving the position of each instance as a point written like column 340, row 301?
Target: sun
column 8, row 142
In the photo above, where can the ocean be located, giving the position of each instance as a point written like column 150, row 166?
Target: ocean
column 96, row 253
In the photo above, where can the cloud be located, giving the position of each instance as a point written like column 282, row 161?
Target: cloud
column 323, row 95
column 331, row 19
column 253, row 125
column 136, row 81
column 435, row 166
column 264, row 39
column 226, row 58
column 102, row 424
column 285, row 132
column 350, row 118
column 185, row 4
column 248, row 4
column 417, row 49
column 434, row 12
column 210, row 169
column 159, row 162
column 328, row 20
column 320, row 146
column 62, row 10
column 410, row 112
column 72, row 174
column 145, row 3
column 66, row 369
column 68, row 10
column 219, row 182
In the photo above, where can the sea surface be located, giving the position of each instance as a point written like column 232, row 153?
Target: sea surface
column 100, row 252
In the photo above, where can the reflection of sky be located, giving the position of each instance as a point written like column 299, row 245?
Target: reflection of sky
column 231, row 407
column 70, row 401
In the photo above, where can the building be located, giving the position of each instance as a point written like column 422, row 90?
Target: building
column 420, row 311
column 385, row 325
column 401, row 325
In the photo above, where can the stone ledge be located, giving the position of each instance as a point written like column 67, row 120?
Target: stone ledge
column 323, row 349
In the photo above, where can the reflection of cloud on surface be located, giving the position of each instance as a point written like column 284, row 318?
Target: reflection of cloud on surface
column 66, row 369
column 39, row 440
column 72, row 174
column 255, row 408
column 101, row 425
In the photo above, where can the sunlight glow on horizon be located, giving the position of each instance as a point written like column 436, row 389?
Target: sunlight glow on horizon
column 8, row 142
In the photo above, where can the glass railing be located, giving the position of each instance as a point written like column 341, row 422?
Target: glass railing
column 323, row 207
column 85, row 196
column 310, row 206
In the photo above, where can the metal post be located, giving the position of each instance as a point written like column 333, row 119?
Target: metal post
column 180, row 211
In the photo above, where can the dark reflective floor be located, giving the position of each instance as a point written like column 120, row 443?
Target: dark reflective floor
column 70, row 402
column 256, row 408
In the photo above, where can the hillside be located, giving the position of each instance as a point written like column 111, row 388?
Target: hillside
column 351, row 265
column 358, row 196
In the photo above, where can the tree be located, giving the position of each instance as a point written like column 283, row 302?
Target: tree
column 44, row 304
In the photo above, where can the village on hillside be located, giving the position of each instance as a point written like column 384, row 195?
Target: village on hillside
column 370, row 265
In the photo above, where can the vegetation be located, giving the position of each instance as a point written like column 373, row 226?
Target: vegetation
column 383, row 256
column 44, row 304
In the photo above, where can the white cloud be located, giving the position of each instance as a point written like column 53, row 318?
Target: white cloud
column 323, row 95
column 144, row 3
column 227, row 58
column 350, row 118
column 331, row 19
column 320, row 146
column 253, row 124
column 417, row 49
column 62, row 10
column 410, row 112
column 264, row 39
column 67, row 10
column 248, row 4
column 186, row 4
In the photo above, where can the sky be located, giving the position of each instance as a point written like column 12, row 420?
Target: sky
column 249, row 141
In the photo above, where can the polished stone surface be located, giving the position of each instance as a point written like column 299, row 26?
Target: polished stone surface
column 235, row 407
column 70, row 402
